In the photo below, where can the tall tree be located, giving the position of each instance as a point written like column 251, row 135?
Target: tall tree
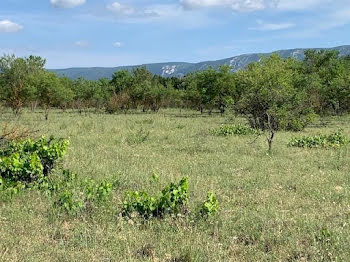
column 15, row 73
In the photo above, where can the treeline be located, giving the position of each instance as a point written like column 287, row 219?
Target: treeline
column 319, row 84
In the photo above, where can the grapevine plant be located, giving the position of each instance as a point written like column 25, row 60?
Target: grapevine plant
column 27, row 161
column 171, row 200
column 334, row 140
column 228, row 130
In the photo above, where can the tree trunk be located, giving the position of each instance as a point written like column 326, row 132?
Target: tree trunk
column 271, row 132
column 270, row 139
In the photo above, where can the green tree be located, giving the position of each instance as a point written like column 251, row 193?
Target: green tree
column 270, row 101
column 16, row 89
column 50, row 91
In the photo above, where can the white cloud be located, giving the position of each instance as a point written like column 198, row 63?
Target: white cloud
column 82, row 43
column 118, row 44
column 67, row 3
column 236, row 5
column 126, row 11
column 254, row 5
column 7, row 26
column 262, row 26
column 300, row 4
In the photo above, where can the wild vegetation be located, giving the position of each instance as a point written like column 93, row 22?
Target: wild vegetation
column 145, row 168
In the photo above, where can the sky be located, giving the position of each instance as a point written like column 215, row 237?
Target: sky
column 108, row 33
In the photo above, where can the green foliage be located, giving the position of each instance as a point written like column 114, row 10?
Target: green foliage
column 171, row 200
column 210, row 206
column 173, row 197
column 334, row 140
column 31, row 160
column 97, row 191
column 228, row 130
column 70, row 202
column 72, row 196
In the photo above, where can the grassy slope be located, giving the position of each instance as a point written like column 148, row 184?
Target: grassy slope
column 292, row 205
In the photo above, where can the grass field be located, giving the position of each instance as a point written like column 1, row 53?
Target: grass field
column 290, row 205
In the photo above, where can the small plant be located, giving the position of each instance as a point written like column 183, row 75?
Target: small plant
column 334, row 140
column 69, row 202
column 171, row 200
column 97, row 192
column 228, row 130
column 210, row 206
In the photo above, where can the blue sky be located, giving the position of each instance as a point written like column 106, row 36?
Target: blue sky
column 71, row 33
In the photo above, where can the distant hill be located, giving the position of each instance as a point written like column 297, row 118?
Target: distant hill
column 179, row 69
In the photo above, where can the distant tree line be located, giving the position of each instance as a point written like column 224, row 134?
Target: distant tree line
column 273, row 93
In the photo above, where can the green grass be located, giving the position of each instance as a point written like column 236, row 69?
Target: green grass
column 290, row 205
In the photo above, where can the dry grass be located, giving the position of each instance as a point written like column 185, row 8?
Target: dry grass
column 291, row 205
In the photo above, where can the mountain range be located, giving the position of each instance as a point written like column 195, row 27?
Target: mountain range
column 179, row 69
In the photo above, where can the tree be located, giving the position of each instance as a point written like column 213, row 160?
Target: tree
column 50, row 91
column 321, row 69
column 270, row 101
column 15, row 72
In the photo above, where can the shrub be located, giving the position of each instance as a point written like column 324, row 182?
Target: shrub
column 97, row 191
column 73, row 196
column 30, row 160
column 171, row 200
column 210, row 206
column 334, row 140
column 69, row 202
column 228, row 130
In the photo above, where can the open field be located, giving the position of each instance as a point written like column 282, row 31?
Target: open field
column 290, row 205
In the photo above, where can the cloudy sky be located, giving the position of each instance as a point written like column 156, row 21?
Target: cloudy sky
column 71, row 33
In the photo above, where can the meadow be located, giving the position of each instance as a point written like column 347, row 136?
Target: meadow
column 292, row 204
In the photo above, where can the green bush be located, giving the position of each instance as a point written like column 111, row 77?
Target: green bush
column 70, row 202
column 31, row 160
column 334, row 140
column 171, row 200
column 210, row 206
column 228, row 130
column 72, row 196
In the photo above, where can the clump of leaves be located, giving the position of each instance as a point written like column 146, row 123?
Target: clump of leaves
column 228, row 130
column 334, row 140
column 73, row 196
column 210, row 206
column 70, row 202
column 170, row 201
column 31, row 160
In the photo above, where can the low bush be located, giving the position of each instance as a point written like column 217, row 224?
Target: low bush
column 228, row 130
column 72, row 195
column 210, row 206
column 30, row 160
column 172, row 200
column 334, row 140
